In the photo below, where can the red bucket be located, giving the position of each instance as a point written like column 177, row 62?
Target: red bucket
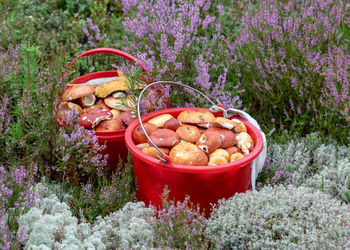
column 115, row 144
column 204, row 184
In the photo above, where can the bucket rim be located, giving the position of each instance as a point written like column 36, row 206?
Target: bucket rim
column 186, row 168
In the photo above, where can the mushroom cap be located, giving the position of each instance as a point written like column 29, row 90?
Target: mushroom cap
column 103, row 104
column 142, row 145
column 92, row 118
column 220, row 152
column 228, row 138
column 242, row 127
column 123, row 104
column 65, row 107
column 163, row 137
column 96, row 106
column 172, row 124
column 77, row 91
column 245, row 142
column 223, row 122
column 209, row 141
column 186, row 153
column 188, row 133
column 116, row 113
column 233, row 149
column 119, row 84
column 128, row 117
column 87, row 101
column 196, row 116
column 160, row 120
column 153, row 152
column 139, row 136
column 109, row 125
column 217, row 160
column 236, row 156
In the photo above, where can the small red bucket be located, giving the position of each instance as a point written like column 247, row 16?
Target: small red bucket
column 204, row 184
column 115, row 143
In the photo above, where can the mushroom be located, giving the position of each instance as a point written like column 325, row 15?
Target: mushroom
column 139, row 136
column 227, row 137
column 160, row 120
column 92, row 118
column 109, row 125
column 245, row 142
column 233, row 149
column 209, row 141
column 164, row 138
column 103, row 104
column 87, row 101
column 65, row 107
column 123, row 104
column 172, row 124
column 153, row 152
column 186, row 153
column 116, row 113
column 119, row 94
column 236, row 156
column 77, row 91
column 195, row 116
column 220, row 152
column 188, row 133
column 142, row 145
column 119, row 84
column 128, row 117
column 87, row 109
column 217, row 160
column 226, row 123
column 242, row 127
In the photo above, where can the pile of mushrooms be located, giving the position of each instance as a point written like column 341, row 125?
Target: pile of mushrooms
column 195, row 137
column 103, row 104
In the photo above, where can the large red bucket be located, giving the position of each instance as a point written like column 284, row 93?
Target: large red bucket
column 114, row 140
column 204, row 184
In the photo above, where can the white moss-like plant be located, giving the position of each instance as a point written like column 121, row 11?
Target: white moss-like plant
column 281, row 218
column 51, row 225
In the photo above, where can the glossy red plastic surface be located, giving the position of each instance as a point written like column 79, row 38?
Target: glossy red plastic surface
column 204, row 184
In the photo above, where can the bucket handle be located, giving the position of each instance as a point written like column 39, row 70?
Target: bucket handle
column 106, row 51
column 165, row 158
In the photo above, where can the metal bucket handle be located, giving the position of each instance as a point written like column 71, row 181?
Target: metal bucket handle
column 166, row 158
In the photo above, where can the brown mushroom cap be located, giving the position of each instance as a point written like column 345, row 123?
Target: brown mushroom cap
column 245, row 142
column 220, row 152
column 242, row 127
column 77, row 91
column 65, row 107
column 217, row 160
column 209, row 141
column 186, row 153
column 226, row 123
column 236, row 156
column 103, row 104
column 160, row 120
column 172, row 124
column 128, row 117
column 233, row 149
column 142, row 145
column 164, row 138
column 195, row 116
column 123, row 104
column 188, row 133
column 139, row 136
column 116, row 113
column 109, row 125
column 228, row 138
column 92, row 118
column 153, row 152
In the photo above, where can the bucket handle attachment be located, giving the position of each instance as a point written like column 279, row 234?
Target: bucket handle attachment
column 106, row 51
column 165, row 158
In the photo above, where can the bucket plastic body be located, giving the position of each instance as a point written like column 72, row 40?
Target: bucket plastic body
column 204, row 184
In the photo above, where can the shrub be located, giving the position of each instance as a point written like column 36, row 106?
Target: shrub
column 169, row 37
column 294, row 67
column 280, row 217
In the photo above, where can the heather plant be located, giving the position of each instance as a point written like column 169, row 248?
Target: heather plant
column 16, row 197
column 169, row 37
column 280, row 217
column 179, row 225
column 294, row 67
column 298, row 159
